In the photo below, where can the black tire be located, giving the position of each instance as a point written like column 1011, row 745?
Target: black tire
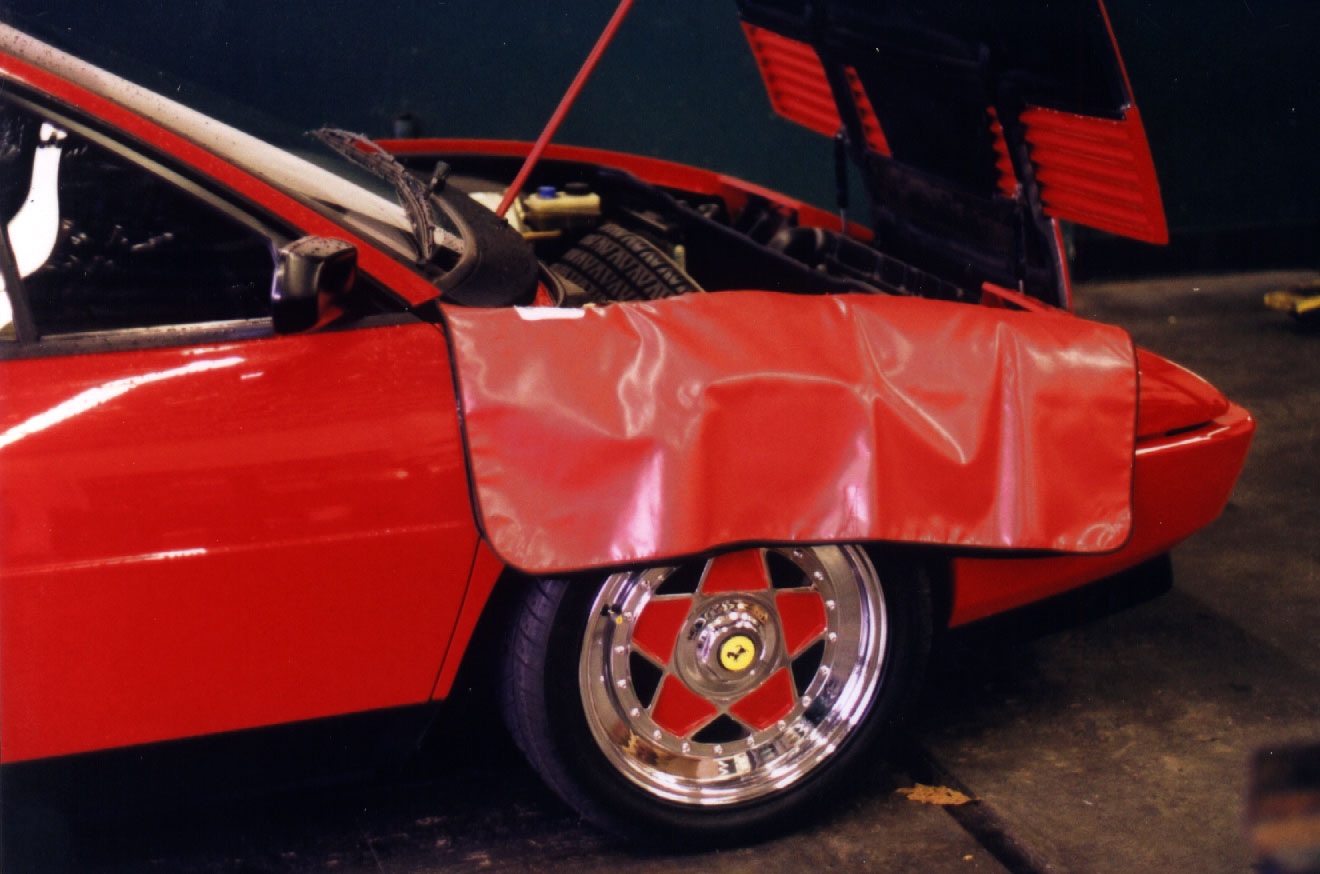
column 612, row 264
column 561, row 632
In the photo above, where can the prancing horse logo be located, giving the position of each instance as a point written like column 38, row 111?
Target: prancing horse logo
column 737, row 653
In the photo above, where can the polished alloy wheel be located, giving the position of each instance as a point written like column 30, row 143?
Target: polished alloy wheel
column 711, row 702
column 719, row 682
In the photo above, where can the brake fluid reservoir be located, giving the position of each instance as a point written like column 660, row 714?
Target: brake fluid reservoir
column 548, row 209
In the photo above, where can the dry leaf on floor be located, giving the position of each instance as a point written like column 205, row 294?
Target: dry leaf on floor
column 935, row 795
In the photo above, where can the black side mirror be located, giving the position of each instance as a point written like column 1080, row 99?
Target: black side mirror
column 309, row 271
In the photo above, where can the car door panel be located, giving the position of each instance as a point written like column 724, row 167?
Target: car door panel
column 207, row 538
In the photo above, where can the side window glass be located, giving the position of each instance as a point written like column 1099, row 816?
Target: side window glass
column 101, row 242
column 8, row 332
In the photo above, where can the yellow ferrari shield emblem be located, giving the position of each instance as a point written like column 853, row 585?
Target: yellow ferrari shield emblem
column 737, row 652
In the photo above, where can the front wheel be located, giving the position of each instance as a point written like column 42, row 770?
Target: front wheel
column 714, row 699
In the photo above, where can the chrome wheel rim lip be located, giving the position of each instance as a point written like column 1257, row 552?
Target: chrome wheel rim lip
column 681, row 770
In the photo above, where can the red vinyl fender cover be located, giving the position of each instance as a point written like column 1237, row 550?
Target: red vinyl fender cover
column 644, row 431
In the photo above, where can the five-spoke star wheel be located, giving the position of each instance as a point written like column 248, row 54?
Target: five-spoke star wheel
column 724, row 679
column 726, row 687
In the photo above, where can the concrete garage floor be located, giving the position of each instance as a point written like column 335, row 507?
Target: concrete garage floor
column 1095, row 742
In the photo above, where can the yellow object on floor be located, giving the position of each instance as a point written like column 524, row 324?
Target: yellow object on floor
column 1302, row 301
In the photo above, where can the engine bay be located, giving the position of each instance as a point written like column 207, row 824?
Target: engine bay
column 604, row 235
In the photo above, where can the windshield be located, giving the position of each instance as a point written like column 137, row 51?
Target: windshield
column 361, row 201
column 431, row 235
column 373, row 212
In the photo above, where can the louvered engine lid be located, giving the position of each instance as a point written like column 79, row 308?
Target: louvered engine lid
column 1016, row 110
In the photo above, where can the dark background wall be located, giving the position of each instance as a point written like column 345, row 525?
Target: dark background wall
column 1228, row 90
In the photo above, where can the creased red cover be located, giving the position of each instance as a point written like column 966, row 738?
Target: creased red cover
column 642, row 431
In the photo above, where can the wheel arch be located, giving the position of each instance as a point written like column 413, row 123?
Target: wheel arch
column 495, row 588
column 935, row 567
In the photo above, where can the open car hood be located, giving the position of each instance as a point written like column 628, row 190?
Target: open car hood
column 974, row 124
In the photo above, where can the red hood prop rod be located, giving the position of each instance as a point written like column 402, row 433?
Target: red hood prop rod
column 565, row 103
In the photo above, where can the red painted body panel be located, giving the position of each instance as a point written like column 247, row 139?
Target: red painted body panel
column 799, row 90
column 203, row 539
column 1173, row 398
column 486, row 571
column 1008, row 181
column 1097, row 172
column 795, row 80
column 871, row 130
column 1181, row 484
column 643, row 430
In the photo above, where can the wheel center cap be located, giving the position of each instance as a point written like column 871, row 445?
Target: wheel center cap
column 729, row 648
column 737, row 652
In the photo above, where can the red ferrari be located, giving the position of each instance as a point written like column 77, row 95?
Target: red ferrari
column 273, row 430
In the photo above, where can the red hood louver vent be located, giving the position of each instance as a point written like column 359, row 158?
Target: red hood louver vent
column 795, row 80
column 800, row 92
column 1096, row 172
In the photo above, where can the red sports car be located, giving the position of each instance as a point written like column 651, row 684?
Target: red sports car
column 273, row 430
